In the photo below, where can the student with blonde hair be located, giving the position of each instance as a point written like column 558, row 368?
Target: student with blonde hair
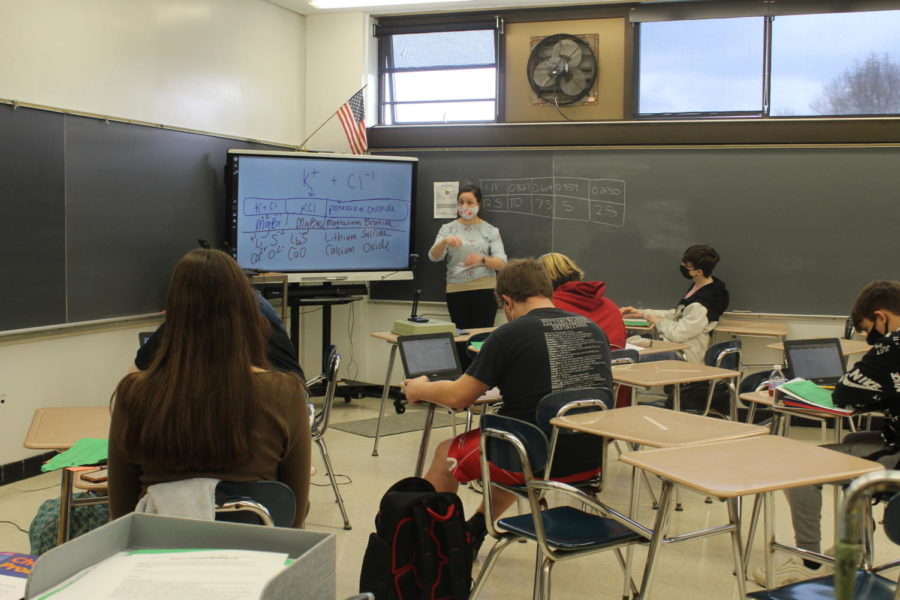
column 572, row 293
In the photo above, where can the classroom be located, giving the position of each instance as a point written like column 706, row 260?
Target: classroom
column 801, row 206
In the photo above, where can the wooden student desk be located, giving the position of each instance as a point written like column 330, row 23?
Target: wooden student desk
column 731, row 469
column 659, row 428
column 391, row 338
column 671, row 372
column 753, row 328
column 58, row 428
column 783, row 413
column 848, row 347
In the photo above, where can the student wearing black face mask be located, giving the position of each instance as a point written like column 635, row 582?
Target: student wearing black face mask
column 872, row 385
column 698, row 312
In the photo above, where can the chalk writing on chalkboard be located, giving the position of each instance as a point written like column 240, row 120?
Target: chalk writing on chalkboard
column 561, row 198
column 286, row 228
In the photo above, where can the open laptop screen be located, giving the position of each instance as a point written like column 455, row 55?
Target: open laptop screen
column 433, row 355
column 818, row 360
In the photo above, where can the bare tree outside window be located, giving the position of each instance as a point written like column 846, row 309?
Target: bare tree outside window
column 870, row 86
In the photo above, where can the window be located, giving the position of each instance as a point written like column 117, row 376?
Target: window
column 701, row 66
column 836, row 64
column 770, row 66
column 439, row 77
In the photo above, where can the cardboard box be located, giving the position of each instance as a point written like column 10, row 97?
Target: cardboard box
column 313, row 570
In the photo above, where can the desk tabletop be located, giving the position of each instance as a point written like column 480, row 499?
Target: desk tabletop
column 763, row 399
column 59, row 427
column 657, row 427
column 848, row 347
column 391, row 338
column 667, row 372
column 750, row 466
column 752, row 327
column 657, row 346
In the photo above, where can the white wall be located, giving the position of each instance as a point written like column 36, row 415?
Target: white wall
column 339, row 51
column 233, row 67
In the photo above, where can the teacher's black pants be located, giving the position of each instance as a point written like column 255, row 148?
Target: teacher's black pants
column 470, row 309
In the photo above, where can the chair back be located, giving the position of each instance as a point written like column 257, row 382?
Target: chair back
column 500, row 450
column 574, row 401
column 330, row 369
column 725, row 355
column 625, row 356
column 256, row 502
column 752, row 382
column 857, row 504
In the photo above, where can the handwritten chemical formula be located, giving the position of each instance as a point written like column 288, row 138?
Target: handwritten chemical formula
column 563, row 198
column 331, row 216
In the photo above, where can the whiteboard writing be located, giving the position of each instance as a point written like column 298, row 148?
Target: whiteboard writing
column 559, row 198
column 317, row 214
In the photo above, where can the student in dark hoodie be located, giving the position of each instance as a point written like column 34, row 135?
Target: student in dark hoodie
column 586, row 298
column 698, row 312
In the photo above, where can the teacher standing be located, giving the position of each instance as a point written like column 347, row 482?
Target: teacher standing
column 474, row 254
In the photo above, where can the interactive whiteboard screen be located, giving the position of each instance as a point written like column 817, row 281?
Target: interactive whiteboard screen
column 321, row 213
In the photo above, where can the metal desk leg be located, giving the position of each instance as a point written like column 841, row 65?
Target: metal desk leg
column 734, row 516
column 769, row 528
column 632, row 514
column 65, row 506
column 426, row 436
column 659, row 534
column 754, row 521
column 676, row 397
column 384, row 395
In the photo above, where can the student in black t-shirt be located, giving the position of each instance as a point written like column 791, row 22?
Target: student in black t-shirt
column 540, row 350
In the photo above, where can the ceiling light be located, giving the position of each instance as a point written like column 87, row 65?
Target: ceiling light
column 369, row 3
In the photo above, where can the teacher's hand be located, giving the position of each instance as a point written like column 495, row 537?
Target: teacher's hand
column 414, row 388
column 630, row 312
column 473, row 259
column 453, row 241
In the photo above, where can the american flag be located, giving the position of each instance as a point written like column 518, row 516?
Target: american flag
column 353, row 119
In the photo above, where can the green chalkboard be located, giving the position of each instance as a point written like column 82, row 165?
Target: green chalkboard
column 800, row 230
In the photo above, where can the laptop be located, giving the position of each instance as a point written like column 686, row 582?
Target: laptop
column 430, row 354
column 818, row 360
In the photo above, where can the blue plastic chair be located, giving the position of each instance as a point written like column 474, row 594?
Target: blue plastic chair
column 569, row 402
column 561, row 533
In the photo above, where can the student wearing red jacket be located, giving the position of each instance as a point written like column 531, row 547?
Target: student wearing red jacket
column 586, row 298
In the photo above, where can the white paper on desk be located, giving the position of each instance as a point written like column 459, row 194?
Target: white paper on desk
column 630, row 346
column 183, row 574
column 445, row 193
column 12, row 589
column 491, row 394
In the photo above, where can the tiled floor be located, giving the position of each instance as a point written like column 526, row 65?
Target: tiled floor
column 694, row 569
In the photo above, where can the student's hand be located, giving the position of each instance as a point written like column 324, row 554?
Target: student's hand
column 414, row 388
column 630, row 312
column 653, row 318
column 453, row 241
column 473, row 259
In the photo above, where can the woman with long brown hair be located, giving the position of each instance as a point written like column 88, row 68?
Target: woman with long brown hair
column 209, row 405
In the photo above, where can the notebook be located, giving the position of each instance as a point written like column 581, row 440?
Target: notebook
column 818, row 360
column 430, row 354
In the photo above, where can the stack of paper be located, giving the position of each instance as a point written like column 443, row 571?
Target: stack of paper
column 800, row 393
column 183, row 574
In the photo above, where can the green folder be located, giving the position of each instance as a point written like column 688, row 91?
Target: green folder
column 86, row 451
column 477, row 345
column 636, row 322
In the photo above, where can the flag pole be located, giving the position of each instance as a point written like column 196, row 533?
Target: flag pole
column 331, row 116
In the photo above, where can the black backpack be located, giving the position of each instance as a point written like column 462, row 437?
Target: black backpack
column 419, row 549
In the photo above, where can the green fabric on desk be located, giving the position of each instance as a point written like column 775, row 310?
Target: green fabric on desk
column 86, row 451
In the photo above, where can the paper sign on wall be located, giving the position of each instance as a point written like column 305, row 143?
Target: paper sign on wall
column 445, row 193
